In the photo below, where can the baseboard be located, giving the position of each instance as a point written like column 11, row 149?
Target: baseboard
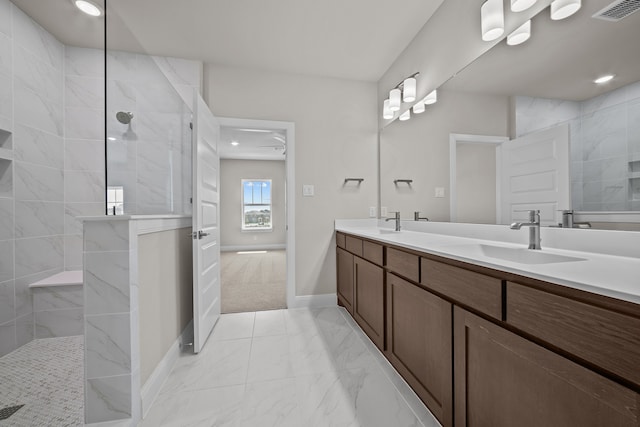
column 151, row 388
column 234, row 248
column 311, row 301
column 127, row 422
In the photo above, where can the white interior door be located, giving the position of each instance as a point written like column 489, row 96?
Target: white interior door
column 535, row 175
column 206, row 231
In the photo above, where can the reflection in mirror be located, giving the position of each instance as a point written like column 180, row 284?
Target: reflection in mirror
column 516, row 91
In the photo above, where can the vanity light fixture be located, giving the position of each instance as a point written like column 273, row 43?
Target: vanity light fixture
column 432, row 98
column 387, row 114
column 604, row 79
column 394, row 99
column 235, row 143
column 492, row 20
column 419, row 107
column 409, row 89
column 520, row 34
column 88, row 7
column 405, row 116
column 521, row 5
column 561, row 9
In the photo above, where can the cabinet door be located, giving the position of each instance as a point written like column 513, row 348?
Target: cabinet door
column 504, row 380
column 368, row 309
column 345, row 279
column 419, row 344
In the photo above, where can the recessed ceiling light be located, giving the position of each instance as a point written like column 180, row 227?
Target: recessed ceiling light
column 604, row 79
column 110, row 138
column 234, row 143
column 88, row 7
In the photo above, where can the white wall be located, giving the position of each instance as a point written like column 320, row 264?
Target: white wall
column 232, row 172
column 336, row 137
column 418, row 149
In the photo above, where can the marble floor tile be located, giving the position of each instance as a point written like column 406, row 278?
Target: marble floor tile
column 233, row 326
column 302, row 367
column 220, row 407
column 269, row 323
column 220, row 364
column 271, row 404
column 270, row 359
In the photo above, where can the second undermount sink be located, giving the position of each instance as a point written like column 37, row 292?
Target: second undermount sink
column 518, row 255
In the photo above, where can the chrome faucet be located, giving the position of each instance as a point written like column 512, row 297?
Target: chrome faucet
column 396, row 219
column 568, row 220
column 416, row 217
column 534, row 228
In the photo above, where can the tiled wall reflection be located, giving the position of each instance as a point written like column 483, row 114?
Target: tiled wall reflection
column 605, row 144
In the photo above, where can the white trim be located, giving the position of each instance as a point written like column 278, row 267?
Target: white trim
column 462, row 138
column 606, row 216
column 151, row 388
column 126, row 422
column 289, row 128
column 235, row 248
column 311, row 301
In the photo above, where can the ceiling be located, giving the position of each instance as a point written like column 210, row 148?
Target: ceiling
column 253, row 144
column 354, row 39
column 561, row 59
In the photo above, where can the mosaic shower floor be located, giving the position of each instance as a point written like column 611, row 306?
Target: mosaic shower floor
column 46, row 376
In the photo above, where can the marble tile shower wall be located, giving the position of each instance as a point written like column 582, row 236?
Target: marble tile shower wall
column 32, row 213
column 151, row 157
column 605, row 145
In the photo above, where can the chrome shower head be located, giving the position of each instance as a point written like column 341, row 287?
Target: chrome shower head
column 124, row 117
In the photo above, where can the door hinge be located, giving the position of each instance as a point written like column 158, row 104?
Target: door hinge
column 191, row 125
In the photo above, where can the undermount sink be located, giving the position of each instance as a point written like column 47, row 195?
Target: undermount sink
column 518, row 255
column 385, row 231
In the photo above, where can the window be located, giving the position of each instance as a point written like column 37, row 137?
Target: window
column 115, row 200
column 256, row 204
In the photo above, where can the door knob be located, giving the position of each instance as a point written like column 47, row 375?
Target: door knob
column 202, row 234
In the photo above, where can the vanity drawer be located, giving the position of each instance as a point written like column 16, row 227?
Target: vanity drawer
column 403, row 264
column 475, row 290
column 354, row 245
column 603, row 337
column 341, row 240
column 372, row 252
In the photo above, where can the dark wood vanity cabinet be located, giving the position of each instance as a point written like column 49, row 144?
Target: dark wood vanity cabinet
column 345, row 279
column 360, row 284
column 481, row 349
column 368, row 308
column 419, row 343
column 504, row 380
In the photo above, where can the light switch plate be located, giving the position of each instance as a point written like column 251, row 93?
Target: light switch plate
column 372, row 212
column 439, row 192
column 383, row 211
column 307, row 190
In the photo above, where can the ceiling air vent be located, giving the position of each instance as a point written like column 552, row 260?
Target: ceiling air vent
column 618, row 9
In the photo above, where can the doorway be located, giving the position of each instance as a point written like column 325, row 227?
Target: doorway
column 256, row 215
column 474, row 172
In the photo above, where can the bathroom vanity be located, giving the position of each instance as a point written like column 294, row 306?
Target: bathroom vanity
column 489, row 335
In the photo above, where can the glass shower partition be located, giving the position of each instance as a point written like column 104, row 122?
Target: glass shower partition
column 148, row 134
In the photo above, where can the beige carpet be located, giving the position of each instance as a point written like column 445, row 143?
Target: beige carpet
column 253, row 282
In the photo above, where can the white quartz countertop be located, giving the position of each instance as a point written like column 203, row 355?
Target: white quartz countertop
column 609, row 275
